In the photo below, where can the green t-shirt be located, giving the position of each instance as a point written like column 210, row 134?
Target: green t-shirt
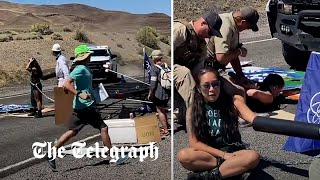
column 83, row 82
column 215, row 120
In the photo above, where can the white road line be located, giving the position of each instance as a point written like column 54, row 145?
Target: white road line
column 18, row 95
column 263, row 40
column 23, row 164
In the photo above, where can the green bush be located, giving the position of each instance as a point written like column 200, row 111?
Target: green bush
column 81, row 36
column 164, row 39
column 148, row 37
column 42, row 28
column 56, row 37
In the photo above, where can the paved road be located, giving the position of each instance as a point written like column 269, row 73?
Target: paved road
column 18, row 134
column 263, row 54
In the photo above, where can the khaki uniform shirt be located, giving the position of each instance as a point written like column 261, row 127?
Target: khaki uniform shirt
column 180, row 36
column 230, row 35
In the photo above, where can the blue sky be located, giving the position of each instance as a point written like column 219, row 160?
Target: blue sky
column 132, row 6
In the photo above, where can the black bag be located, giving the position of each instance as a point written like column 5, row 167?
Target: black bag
column 125, row 112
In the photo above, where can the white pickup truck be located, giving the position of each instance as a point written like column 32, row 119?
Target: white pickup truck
column 101, row 58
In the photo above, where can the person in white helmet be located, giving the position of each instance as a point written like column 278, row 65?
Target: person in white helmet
column 62, row 69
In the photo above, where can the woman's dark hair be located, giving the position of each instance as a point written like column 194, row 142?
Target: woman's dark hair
column 37, row 66
column 199, row 120
column 273, row 80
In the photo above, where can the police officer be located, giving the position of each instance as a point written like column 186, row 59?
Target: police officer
column 190, row 50
column 227, row 49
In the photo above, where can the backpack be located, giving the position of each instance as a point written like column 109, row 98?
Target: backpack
column 165, row 75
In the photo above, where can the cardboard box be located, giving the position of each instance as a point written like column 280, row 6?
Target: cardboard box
column 122, row 130
column 147, row 128
column 62, row 105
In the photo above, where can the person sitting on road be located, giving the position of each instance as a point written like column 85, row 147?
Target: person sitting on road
column 158, row 94
column 216, row 150
column 36, row 97
column 262, row 99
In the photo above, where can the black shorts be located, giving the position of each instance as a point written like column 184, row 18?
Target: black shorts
column 89, row 115
column 160, row 103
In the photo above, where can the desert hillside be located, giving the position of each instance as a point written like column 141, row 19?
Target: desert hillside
column 185, row 9
column 71, row 25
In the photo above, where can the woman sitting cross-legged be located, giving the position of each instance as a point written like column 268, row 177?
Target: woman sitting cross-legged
column 216, row 150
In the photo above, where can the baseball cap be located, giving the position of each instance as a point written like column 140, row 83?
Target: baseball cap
column 250, row 15
column 156, row 53
column 81, row 52
column 214, row 22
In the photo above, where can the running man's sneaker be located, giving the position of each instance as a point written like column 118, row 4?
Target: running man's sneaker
column 52, row 164
column 122, row 160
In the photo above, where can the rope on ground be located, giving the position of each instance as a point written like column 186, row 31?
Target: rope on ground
column 127, row 76
column 42, row 92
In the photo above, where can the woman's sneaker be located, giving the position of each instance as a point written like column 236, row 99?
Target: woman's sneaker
column 38, row 114
column 214, row 174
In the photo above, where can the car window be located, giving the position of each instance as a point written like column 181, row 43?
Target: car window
column 100, row 52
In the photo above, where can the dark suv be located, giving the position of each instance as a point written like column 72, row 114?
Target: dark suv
column 297, row 24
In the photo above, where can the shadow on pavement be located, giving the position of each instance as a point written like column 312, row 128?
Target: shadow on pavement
column 290, row 169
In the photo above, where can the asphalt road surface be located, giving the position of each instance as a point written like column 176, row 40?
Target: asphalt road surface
column 18, row 134
column 263, row 54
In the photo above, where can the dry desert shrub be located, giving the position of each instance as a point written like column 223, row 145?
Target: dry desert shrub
column 42, row 28
column 81, row 36
column 56, row 37
column 5, row 38
column 66, row 29
column 29, row 36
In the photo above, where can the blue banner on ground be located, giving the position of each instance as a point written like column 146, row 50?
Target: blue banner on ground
column 308, row 109
column 13, row 108
column 293, row 79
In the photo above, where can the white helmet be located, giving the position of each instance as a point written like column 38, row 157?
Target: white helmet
column 56, row 47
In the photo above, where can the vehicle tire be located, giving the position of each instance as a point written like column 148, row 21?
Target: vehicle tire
column 295, row 58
